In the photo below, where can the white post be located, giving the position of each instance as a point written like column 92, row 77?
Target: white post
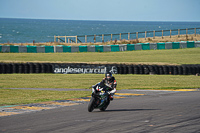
column 54, row 38
column 58, row 39
column 65, row 39
column 145, row 34
column 102, row 37
column 178, row 32
column 186, row 33
column 94, row 38
column 85, row 38
column 170, row 33
column 136, row 35
column 129, row 36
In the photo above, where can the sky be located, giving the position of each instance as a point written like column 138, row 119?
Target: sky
column 106, row 10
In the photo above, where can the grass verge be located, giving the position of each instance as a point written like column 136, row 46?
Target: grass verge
column 84, row 81
column 17, row 97
column 173, row 56
column 10, row 97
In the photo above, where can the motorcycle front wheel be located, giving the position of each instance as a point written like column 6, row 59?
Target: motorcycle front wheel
column 90, row 105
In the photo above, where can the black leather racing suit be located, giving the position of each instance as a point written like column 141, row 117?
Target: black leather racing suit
column 111, row 84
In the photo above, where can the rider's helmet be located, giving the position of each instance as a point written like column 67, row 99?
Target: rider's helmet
column 108, row 75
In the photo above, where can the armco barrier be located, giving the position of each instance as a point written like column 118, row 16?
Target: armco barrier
column 6, row 68
column 98, row 48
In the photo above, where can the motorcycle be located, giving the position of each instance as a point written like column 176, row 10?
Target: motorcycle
column 99, row 98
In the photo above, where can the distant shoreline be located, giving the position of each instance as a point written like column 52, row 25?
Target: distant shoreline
column 98, row 20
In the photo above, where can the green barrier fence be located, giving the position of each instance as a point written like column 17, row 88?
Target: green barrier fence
column 99, row 48
column 14, row 49
column 66, row 48
column 31, row 49
column 130, row 47
column 114, row 48
column 175, row 45
column 83, row 48
column 190, row 44
column 49, row 49
column 145, row 46
column 160, row 45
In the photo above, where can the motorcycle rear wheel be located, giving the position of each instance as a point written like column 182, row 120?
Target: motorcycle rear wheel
column 105, row 107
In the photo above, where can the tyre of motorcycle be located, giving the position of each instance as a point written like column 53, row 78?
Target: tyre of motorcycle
column 90, row 105
column 106, row 105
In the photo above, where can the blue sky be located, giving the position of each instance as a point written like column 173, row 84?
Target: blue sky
column 114, row 10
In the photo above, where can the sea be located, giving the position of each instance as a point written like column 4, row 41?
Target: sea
column 13, row 30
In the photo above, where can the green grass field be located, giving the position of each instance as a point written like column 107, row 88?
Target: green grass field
column 9, row 97
column 173, row 56
column 13, row 97
column 84, row 81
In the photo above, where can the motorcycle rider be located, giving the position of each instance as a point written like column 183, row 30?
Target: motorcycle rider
column 110, row 82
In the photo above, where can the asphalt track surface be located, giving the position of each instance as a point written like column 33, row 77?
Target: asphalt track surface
column 154, row 112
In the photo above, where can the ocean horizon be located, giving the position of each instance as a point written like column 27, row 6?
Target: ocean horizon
column 20, row 30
